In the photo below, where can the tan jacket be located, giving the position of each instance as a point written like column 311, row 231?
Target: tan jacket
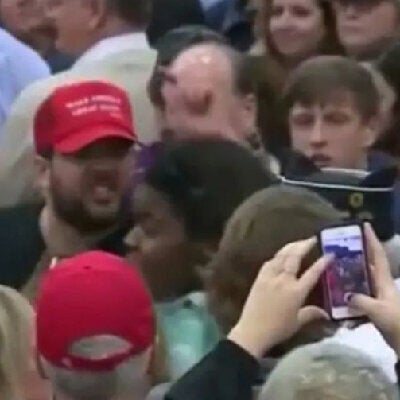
column 130, row 69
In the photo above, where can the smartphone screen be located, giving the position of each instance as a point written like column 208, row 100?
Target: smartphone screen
column 348, row 273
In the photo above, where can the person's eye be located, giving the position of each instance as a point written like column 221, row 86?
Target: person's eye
column 302, row 120
column 301, row 12
column 276, row 11
column 337, row 118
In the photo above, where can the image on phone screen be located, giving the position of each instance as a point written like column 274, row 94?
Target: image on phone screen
column 348, row 271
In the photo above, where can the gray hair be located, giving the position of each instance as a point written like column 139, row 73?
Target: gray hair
column 127, row 379
column 328, row 371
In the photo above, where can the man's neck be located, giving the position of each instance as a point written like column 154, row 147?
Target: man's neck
column 61, row 238
column 116, row 27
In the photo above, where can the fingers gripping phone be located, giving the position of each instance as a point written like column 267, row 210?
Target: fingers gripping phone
column 349, row 272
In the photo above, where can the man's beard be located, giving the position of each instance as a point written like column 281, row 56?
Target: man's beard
column 73, row 211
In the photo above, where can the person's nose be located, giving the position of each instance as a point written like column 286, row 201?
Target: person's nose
column 317, row 137
column 285, row 20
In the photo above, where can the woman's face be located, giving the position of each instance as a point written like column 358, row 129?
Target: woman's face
column 296, row 27
column 158, row 244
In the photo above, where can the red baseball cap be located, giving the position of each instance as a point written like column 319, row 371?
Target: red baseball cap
column 78, row 114
column 93, row 294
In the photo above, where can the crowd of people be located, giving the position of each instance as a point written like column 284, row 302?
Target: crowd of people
column 166, row 167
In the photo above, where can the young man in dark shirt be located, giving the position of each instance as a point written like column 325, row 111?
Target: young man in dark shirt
column 83, row 134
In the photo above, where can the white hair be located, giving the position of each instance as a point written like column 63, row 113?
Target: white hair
column 328, row 371
column 126, row 380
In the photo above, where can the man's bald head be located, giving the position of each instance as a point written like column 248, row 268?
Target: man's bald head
column 208, row 86
column 216, row 63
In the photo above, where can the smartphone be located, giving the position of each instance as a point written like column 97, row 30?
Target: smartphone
column 349, row 272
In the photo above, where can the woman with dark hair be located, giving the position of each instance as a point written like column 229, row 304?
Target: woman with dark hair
column 295, row 30
column 180, row 209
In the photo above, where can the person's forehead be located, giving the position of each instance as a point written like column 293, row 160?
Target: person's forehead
column 204, row 62
column 338, row 98
column 102, row 147
column 148, row 201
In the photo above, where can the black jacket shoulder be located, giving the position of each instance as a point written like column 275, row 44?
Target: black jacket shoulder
column 21, row 244
column 228, row 372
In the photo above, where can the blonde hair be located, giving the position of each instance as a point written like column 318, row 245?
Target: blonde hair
column 16, row 319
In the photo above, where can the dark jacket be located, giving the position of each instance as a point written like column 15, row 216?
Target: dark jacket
column 22, row 244
column 378, row 160
column 227, row 373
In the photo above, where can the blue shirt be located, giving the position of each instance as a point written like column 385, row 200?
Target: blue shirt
column 19, row 66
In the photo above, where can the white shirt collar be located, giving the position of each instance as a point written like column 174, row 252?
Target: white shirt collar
column 112, row 45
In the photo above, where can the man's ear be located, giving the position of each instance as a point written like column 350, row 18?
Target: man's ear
column 42, row 175
column 98, row 11
column 371, row 132
column 249, row 112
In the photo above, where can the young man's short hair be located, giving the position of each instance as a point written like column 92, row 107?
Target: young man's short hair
column 259, row 228
column 321, row 79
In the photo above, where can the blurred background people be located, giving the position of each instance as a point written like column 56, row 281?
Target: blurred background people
column 367, row 28
column 295, row 30
column 19, row 67
column 27, row 20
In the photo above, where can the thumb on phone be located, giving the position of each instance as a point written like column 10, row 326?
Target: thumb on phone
column 367, row 305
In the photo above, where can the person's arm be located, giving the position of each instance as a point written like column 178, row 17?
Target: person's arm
column 384, row 309
column 228, row 372
column 231, row 369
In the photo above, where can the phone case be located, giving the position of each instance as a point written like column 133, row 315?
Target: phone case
column 326, row 297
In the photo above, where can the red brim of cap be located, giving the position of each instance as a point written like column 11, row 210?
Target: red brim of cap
column 82, row 138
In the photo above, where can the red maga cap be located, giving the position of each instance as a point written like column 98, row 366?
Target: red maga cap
column 76, row 115
column 93, row 294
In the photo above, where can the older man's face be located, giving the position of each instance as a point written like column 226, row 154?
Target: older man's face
column 71, row 20
column 21, row 17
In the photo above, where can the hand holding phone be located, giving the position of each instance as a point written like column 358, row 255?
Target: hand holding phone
column 348, row 273
column 384, row 309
